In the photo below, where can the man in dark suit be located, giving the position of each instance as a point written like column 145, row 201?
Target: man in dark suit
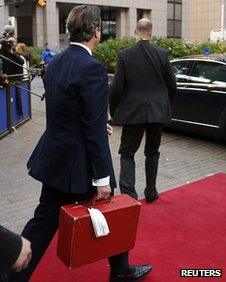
column 15, row 252
column 72, row 158
column 141, row 96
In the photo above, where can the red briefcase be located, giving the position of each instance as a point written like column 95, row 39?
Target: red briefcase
column 77, row 243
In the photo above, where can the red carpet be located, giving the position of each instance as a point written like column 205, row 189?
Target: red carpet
column 185, row 228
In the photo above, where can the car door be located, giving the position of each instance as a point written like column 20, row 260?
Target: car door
column 203, row 99
column 181, row 69
column 206, row 93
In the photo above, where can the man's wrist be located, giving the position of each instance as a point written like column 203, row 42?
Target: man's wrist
column 101, row 181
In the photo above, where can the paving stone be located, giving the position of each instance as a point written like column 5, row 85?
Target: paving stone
column 183, row 159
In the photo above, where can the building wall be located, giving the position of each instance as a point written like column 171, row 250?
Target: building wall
column 45, row 23
column 4, row 16
column 126, row 18
column 185, row 18
column 38, row 26
column 199, row 18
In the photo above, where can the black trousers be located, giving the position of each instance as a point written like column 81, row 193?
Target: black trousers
column 43, row 226
column 130, row 142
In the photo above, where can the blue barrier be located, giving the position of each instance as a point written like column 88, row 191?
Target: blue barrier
column 4, row 112
column 21, row 104
column 15, row 106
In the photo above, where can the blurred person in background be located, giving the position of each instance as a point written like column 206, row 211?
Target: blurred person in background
column 8, row 31
column 12, row 66
column 47, row 55
column 22, row 50
column 8, row 50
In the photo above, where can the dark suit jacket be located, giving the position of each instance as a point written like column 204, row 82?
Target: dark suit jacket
column 143, row 87
column 10, row 247
column 8, row 67
column 74, row 148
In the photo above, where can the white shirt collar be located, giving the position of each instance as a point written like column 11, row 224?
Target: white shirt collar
column 83, row 46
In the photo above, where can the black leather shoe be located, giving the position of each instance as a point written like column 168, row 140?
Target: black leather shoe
column 151, row 197
column 137, row 273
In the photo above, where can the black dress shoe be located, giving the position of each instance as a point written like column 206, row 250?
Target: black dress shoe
column 137, row 273
column 151, row 197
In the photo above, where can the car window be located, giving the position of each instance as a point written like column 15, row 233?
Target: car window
column 208, row 72
column 180, row 67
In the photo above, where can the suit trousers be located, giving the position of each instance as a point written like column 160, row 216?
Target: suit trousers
column 130, row 142
column 41, row 229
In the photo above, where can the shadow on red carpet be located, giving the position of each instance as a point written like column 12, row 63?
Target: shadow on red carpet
column 185, row 228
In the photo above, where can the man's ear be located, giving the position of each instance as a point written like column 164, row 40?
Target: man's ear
column 96, row 31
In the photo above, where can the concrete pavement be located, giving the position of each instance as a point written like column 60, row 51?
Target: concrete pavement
column 183, row 159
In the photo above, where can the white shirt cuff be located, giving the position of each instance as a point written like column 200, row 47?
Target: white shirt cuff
column 102, row 181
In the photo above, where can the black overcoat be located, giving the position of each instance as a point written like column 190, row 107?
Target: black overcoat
column 143, row 87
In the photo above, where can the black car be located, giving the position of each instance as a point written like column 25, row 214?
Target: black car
column 200, row 104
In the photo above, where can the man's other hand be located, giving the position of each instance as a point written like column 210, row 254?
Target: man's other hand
column 109, row 129
column 103, row 192
column 24, row 256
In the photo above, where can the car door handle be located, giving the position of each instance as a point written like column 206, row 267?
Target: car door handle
column 182, row 85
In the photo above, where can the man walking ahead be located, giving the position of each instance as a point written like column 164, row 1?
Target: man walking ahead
column 141, row 96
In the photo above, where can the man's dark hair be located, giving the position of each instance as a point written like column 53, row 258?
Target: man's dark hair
column 82, row 21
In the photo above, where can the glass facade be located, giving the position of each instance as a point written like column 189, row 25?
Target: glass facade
column 174, row 18
column 139, row 14
column 108, row 16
